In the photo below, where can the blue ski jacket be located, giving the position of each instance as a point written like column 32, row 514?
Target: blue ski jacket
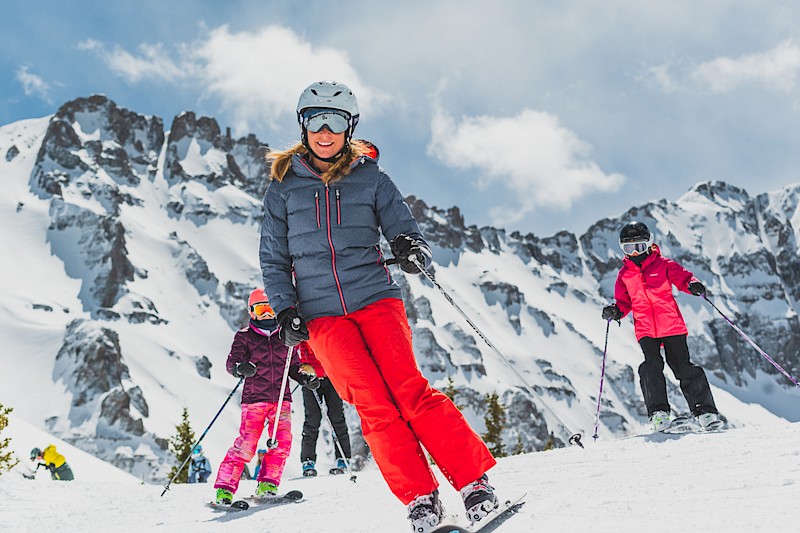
column 328, row 238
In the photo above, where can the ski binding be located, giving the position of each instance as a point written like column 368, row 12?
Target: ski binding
column 238, row 505
column 293, row 496
column 490, row 521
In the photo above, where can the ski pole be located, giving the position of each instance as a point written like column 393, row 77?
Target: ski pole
column 166, row 488
column 753, row 344
column 602, row 378
column 272, row 442
column 575, row 438
column 324, row 410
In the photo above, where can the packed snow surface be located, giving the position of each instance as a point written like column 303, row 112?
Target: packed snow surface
column 743, row 479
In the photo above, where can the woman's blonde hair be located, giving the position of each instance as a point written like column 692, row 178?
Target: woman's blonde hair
column 281, row 160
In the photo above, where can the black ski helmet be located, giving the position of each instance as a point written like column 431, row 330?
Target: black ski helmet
column 36, row 452
column 634, row 231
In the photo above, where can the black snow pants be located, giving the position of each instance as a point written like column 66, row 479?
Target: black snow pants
column 62, row 473
column 313, row 418
column 691, row 377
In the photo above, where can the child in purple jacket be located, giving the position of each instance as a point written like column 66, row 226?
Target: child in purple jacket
column 259, row 356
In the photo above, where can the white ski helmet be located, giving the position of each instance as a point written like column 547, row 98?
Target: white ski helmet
column 330, row 95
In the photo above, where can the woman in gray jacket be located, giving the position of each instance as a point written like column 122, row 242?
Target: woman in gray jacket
column 326, row 206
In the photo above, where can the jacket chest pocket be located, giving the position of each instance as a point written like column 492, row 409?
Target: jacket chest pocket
column 655, row 280
column 306, row 212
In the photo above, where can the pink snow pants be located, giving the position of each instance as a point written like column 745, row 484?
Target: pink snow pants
column 244, row 447
column 369, row 359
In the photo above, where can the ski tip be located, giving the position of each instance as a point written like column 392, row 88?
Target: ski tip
column 294, row 495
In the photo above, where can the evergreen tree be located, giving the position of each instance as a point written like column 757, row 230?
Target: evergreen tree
column 495, row 419
column 451, row 392
column 7, row 462
column 520, row 446
column 181, row 445
column 550, row 444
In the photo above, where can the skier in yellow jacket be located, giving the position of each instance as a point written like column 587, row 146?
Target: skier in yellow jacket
column 54, row 462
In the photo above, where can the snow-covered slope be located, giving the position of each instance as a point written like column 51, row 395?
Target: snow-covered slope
column 128, row 252
column 86, row 467
column 746, row 479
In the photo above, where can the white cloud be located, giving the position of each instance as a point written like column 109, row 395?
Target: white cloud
column 33, row 85
column 256, row 76
column 777, row 68
column 539, row 161
column 151, row 63
column 259, row 76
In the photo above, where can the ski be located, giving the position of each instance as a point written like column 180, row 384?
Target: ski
column 238, row 505
column 489, row 523
column 293, row 496
column 336, row 471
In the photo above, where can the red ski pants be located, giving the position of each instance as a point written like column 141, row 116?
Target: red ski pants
column 369, row 359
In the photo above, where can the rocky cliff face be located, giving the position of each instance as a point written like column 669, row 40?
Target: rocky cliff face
column 161, row 230
column 743, row 248
column 96, row 164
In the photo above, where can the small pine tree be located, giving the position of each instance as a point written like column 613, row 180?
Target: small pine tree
column 451, row 392
column 181, row 445
column 519, row 448
column 7, row 462
column 495, row 419
column 550, row 444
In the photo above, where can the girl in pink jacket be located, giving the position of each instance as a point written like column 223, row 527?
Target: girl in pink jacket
column 644, row 287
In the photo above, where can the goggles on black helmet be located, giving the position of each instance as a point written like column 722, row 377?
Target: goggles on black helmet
column 315, row 118
column 636, row 247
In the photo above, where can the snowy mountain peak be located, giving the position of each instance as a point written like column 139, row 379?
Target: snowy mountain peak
column 142, row 246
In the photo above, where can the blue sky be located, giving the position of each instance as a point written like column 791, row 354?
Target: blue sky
column 535, row 116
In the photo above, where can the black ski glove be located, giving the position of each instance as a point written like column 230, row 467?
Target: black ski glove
column 611, row 312
column 697, row 288
column 309, row 382
column 244, row 370
column 403, row 247
column 293, row 328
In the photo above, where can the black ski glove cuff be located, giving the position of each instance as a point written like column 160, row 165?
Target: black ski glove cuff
column 244, row 370
column 293, row 328
column 611, row 312
column 311, row 382
column 697, row 288
column 405, row 248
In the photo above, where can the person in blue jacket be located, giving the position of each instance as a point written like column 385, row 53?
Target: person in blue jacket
column 199, row 467
column 325, row 208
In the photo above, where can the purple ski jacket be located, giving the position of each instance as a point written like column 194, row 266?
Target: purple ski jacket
column 265, row 350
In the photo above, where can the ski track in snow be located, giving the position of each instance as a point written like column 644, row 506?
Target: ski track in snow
column 743, row 479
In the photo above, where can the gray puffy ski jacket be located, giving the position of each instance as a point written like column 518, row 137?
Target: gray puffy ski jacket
column 328, row 236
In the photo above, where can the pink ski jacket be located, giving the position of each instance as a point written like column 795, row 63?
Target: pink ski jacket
column 647, row 291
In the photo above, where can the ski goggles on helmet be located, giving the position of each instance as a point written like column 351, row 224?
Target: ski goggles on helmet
column 636, row 247
column 316, row 118
column 261, row 309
